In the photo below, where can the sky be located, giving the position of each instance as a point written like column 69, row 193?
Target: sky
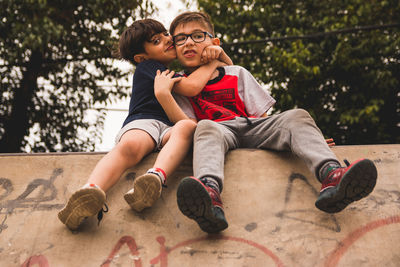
column 168, row 9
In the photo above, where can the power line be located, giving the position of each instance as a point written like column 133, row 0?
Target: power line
column 315, row 35
column 111, row 109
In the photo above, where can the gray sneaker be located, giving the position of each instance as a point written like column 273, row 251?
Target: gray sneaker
column 145, row 192
column 84, row 203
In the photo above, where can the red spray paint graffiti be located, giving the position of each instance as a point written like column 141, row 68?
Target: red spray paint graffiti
column 37, row 259
column 334, row 257
column 162, row 259
column 130, row 242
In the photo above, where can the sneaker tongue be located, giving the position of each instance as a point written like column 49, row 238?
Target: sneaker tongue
column 329, row 170
column 211, row 182
column 326, row 169
column 346, row 162
column 160, row 173
column 91, row 185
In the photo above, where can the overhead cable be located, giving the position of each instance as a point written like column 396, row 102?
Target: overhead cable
column 314, row 35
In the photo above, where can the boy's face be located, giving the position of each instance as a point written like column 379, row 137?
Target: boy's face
column 189, row 53
column 160, row 48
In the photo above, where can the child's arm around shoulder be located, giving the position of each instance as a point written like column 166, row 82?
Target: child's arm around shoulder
column 163, row 83
column 215, row 52
column 195, row 82
column 212, row 57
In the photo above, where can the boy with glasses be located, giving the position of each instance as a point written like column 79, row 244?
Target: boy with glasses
column 197, row 37
column 231, row 113
column 147, row 45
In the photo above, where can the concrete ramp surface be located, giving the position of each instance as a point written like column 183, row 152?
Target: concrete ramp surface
column 269, row 204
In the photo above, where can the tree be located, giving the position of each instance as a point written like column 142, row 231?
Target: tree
column 53, row 54
column 348, row 82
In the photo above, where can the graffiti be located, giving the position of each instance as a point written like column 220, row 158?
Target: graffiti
column 46, row 192
column 383, row 197
column 375, row 201
column 162, row 258
column 335, row 256
column 291, row 214
column 39, row 192
column 36, row 260
column 130, row 242
column 7, row 187
column 331, row 260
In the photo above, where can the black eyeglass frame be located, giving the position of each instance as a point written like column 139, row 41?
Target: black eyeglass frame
column 205, row 34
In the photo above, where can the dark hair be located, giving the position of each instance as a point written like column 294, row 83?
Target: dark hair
column 190, row 16
column 132, row 39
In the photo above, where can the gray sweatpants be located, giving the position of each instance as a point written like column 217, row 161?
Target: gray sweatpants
column 292, row 130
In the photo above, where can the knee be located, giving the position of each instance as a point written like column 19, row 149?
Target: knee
column 129, row 148
column 185, row 128
column 299, row 112
column 206, row 124
column 188, row 125
column 296, row 118
column 207, row 128
column 298, row 115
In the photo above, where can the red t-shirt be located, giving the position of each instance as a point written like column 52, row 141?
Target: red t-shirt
column 233, row 93
column 219, row 101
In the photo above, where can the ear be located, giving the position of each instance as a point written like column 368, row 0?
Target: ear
column 139, row 57
column 216, row 41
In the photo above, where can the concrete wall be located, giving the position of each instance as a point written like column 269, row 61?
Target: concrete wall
column 269, row 204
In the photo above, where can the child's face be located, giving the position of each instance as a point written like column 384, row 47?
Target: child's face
column 160, row 48
column 189, row 53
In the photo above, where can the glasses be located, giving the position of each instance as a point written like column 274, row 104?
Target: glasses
column 197, row 37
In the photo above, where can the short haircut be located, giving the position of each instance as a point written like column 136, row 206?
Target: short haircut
column 131, row 41
column 191, row 16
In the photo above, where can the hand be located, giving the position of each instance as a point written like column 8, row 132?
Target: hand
column 210, row 53
column 330, row 142
column 220, row 63
column 164, row 81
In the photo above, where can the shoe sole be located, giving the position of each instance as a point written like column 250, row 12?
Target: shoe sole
column 146, row 190
column 83, row 203
column 357, row 183
column 195, row 203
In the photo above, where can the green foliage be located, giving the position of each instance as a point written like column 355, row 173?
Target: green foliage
column 348, row 82
column 53, row 55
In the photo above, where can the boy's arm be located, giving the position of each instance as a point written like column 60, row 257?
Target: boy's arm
column 195, row 82
column 215, row 52
column 163, row 83
column 213, row 56
column 225, row 58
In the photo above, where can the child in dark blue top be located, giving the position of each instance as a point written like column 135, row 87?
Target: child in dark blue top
column 148, row 45
column 143, row 104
